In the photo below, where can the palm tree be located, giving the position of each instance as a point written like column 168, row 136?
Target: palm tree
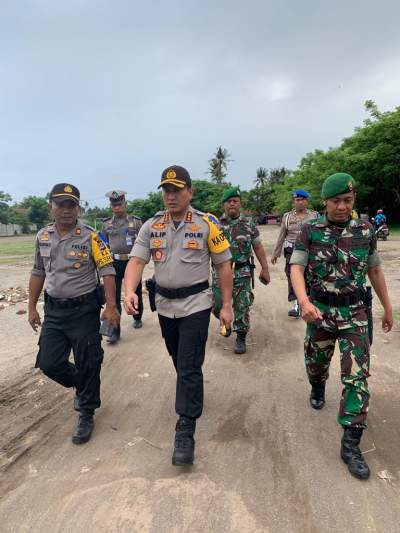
column 261, row 177
column 277, row 175
column 218, row 165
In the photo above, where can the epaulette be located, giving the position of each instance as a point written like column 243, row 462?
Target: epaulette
column 200, row 213
column 89, row 227
column 105, row 219
column 158, row 214
column 134, row 216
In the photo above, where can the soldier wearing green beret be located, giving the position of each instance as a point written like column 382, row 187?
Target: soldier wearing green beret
column 244, row 237
column 337, row 252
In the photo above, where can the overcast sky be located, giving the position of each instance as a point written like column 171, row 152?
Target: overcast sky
column 106, row 94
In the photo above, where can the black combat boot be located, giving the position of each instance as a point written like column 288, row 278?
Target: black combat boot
column 184, row 442
column 240, row 344
column 351, row 453
column 317, row 396
column 84, row 427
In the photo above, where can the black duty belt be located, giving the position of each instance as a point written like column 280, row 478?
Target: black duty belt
column 69, row 303
column 336, row 300
column 182, row 292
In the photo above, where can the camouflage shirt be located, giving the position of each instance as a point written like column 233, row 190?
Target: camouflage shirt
column 242, row 233
column 337, row 258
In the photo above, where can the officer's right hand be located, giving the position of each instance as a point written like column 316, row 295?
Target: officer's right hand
column 34, row 319
column 310, row 313
column 111, row 314
column 226, row 316
column 131, row 303
column 274, row 260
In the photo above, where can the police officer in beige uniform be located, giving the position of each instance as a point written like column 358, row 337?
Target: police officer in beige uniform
column 120, row 232
column 292, row 222
column 69, row 258
column 181, row 241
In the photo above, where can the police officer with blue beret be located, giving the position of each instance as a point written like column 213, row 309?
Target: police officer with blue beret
column 292, row 222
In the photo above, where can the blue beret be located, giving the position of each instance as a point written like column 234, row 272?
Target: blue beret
column 300, row 193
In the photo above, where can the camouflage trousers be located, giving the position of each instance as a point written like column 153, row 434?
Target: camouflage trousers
column 242, row 299
column 349, row 327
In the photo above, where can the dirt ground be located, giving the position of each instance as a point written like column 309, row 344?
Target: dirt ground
column 265, row 461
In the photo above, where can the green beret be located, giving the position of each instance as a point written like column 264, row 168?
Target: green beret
column 232, row 192
column 338, row 183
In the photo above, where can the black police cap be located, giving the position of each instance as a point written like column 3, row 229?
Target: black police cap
column 65, row 191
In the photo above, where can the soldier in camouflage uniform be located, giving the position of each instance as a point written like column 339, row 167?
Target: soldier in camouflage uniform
column 339, row 252
column 244, row 237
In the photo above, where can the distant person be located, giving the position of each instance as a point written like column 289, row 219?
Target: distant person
column 291, row 224
column 334, row 254
column 121, row 231
column 243, row 235
column 380, row 218
column 181, row 241
column 67, row 255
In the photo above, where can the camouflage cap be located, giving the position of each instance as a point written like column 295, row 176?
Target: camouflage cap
column 338, row 183
column 231, row 192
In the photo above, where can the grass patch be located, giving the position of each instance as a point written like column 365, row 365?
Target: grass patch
column 13, row 249
column 396, row 315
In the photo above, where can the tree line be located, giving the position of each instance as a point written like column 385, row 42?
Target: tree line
column 371, row 155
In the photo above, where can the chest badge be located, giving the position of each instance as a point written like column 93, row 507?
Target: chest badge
column 158, row 255
column 158, row 225
column 157, row 243
column 77, row 265
column 72, row 253
column 193, row 245
column 194, row 227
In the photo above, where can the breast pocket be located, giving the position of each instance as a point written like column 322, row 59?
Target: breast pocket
column 158, row 247
column 192, row 250
column 45, row 252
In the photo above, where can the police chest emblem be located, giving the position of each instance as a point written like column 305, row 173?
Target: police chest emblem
column 67, row 188
column 158, row 255
column 157, row 243
column 194, row 227
column 194, row 245
column 158, row 225
column 77, row 265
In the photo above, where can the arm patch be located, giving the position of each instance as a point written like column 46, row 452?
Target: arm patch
column 216, row 241
column 100, row 251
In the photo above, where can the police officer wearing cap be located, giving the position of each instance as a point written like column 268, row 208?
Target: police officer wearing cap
column 290, row 228
column 69, row 258
column 336, row 253
column 181, row 241
column 120, row 232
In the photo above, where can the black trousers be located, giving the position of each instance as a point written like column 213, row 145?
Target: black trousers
column 288, row 254
column 120, row 267
column 185, row 339
column 76, row 329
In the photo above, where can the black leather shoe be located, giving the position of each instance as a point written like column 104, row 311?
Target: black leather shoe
column 113, row 339
column 184, row 442
column 351, row 453
column 317, row 396
column 240, row 344
column 137, row 324
column 84, row 428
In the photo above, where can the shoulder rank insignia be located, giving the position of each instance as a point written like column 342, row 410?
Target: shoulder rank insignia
column 78, row 231
column 189, row 216
column 44, row 236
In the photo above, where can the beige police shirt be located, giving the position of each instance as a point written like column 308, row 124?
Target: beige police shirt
column 181, row 257
column 290, row 228
column 69, row 263
column 121, row 233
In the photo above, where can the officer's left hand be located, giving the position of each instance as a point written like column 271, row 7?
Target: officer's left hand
column 226, row 316
column 111, row 314
column 387, row 321
column 264, row 276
